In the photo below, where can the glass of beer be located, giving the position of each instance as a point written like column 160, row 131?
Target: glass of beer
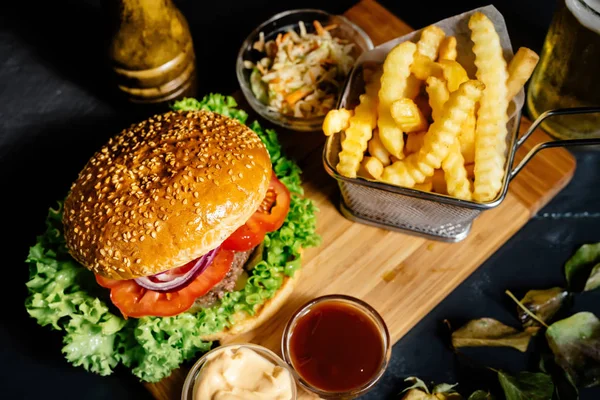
column 568, row 73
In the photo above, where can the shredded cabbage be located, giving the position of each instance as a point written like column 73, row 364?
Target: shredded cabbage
column 64, row 295
column 301, row 73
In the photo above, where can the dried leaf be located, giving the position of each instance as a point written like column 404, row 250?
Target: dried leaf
column 444, row 388
column 481, row 395
column 416, row 384
column 593, row 281
column 526, row 386
column 544, row 304
column 449, row 396
column 578, row 267
column 416, row 394
column 489, row 332
column 575, row 342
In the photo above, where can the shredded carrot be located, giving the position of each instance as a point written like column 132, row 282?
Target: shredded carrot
column 287, row 35
column 312, row 76
column 278, row 39
column 261, row 69
column 330, row 27
column 318, row 27
column 299, row 94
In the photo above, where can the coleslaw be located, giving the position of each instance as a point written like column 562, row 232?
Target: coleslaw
column 301, row 73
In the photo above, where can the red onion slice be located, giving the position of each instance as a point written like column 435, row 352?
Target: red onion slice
column 169, row 282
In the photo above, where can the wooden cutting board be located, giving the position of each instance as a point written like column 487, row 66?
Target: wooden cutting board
column 354, row 258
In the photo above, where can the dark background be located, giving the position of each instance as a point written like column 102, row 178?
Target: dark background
column 56, row 109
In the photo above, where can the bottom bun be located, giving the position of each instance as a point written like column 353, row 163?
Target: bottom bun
column 244, row 322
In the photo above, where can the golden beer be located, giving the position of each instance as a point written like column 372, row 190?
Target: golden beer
column 568, row 74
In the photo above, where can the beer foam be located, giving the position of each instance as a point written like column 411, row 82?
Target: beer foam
column 587, row 13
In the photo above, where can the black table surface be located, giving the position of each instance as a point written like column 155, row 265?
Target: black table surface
column 56, row 109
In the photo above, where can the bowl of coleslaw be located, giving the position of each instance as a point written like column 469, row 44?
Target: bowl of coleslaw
column 293, row 67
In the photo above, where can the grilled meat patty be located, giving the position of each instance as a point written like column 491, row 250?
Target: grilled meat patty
column 228, row 283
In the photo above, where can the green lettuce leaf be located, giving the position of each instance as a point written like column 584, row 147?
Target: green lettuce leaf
column 215, row 102
column 63, row 294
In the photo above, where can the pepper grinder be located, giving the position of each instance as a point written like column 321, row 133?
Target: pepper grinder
column 151, row 51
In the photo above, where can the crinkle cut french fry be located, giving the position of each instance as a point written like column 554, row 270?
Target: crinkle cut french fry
column 520, row 69
column 427, row 50
column 414, row 142
column 377, row 150
column 423, row 67
column 448, row 49
column 438, row 96
column 404, row 172
column 466, row 138
column 429, row 42
column 370, row 168
column 455, row 173
column 408, row 116
column 426, row 186
column 441, row 135
column 360, row 129
column 491, row 131
column 336, row 121
column 396, row 70
column 454, row 73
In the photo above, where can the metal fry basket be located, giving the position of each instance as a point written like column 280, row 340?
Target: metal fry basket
column 431, row 215
column 426, row 214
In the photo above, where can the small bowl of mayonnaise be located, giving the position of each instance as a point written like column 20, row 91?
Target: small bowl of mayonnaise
column 241, row 371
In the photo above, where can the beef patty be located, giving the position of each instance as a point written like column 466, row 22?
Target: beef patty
column 228, row 283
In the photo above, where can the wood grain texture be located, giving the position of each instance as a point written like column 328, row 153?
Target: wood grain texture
column 354, row 258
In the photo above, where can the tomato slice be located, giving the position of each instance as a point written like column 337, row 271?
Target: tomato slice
column 135, row 301
column 275, row 206
column 246, row 237
column 268, row 218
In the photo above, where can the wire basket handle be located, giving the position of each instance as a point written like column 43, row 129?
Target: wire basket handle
column 553, row 143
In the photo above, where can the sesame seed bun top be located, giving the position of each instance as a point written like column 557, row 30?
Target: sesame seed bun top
column 164, row 192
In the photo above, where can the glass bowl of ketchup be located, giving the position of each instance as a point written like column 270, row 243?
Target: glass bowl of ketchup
column 337, row 345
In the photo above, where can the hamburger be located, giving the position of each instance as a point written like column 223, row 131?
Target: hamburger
column 187, row 225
